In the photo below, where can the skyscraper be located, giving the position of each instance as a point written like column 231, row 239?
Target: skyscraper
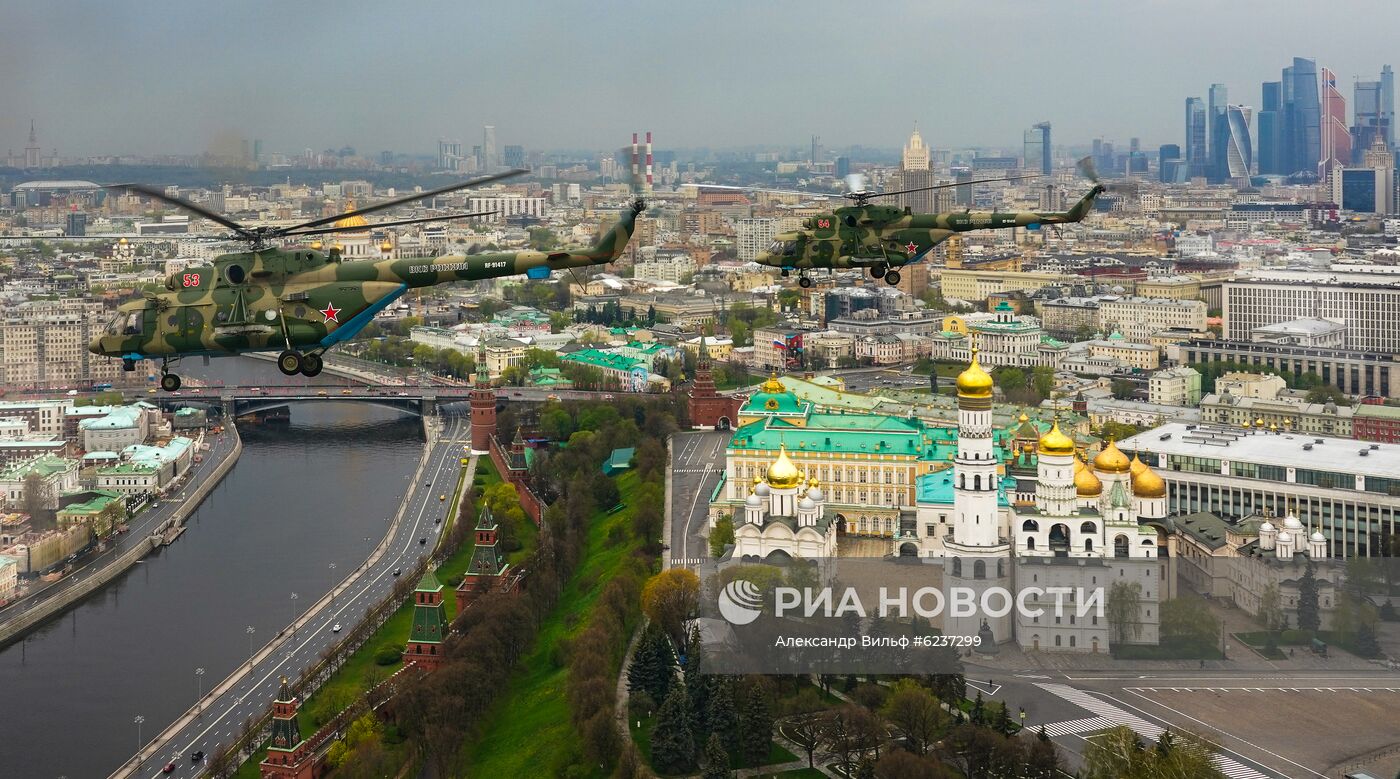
column 1271, row 129
column 1371, row 119
column 1195, row 137
column 1170, row 166
column 1036, row 148
column 489, row 160
column 915, row 152
column 514, row 156
column 1217, row 132
column 914, row 172
column 1388, row 104
column 1336, row 139
column 1302, row 118
column 1239, row 151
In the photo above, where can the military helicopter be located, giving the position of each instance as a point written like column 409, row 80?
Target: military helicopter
column 303, row 300
column 883, row 238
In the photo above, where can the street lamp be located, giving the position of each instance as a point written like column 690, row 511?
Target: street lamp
column 250, row 631
column 332, row 586
column 139, row 719
column 294, row 616
column 199, row 696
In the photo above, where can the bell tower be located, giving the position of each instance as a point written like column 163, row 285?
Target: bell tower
column 287, row 753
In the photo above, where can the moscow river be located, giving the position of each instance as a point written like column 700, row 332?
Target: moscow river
column 303, row 497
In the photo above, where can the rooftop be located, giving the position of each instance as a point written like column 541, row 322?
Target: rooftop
column 1282, row 449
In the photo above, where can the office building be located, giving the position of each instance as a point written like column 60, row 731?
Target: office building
column 1179, row 386
column 1366, row 112
column 76, row 224
column 1368, row 304
column 1302, row 118
column 1239, row 149
column 1196, row 159
column 1347, row 491
column 1137, row 318
column 1036, row 148
column 514, row 156
column 505, row 206
column 1217, row 132
column 489, row 161
column 1271, row 129
column 1352, row 371
column 51, row 351
column 1171, row 168
column 449, row 155
column 1336, row 138
column 1368, row 190
column 1387, row 98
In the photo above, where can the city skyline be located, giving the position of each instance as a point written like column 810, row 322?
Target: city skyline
column 351, row 83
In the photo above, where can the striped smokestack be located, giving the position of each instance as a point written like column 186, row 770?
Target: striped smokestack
column 635, row 169
column 648, row 160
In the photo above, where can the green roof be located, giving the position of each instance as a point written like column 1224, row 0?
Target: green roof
column 1377, row 411
column 601, row 359
column 94, row 505
column 827, row 433
column 1205, row 527
column 937, row 488
column 429, row 583
column 45, row 465
column 620, row 460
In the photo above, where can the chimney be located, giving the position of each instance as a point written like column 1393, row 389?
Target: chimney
column 648, row 160
column 635, row 169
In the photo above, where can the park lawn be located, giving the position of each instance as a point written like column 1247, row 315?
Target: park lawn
column 641, row 735
column 529, row 732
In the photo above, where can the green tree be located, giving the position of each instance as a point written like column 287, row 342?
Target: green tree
column 1366, row 643
column 1271, row 608
column 1309, row 617
column 721, row 536
column 1043, row 381
column 653, row 666
column 543, row 239
column 715, row 761
column 1118, row 754
column 1188, row 623
column 756, row 727
column 723, row 716
column 672, row 743
column 1122, row 389
column 1323, row 393
column 1124, row 602
column 914, row 710
column 1042, row 758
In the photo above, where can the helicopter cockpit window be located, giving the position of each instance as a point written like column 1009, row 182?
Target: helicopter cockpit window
column 132, row 323
column 783, row 248
column 114, row 326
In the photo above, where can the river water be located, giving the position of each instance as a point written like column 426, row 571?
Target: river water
column 302, row 497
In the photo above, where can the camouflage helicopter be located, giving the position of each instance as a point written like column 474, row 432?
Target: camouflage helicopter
column 302, row 300
column 883, row 238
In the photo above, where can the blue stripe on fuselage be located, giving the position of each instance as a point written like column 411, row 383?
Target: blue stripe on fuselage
column 357, row 323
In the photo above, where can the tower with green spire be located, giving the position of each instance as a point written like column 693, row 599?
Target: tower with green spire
column 287, row 753
column 483, row 404
column 488, row 570
column 430, row 624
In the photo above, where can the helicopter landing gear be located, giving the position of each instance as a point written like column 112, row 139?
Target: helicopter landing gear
column 128, row 364
column 877, row 271
column 785, row 273
column 311, row 365
column 169, row 382
column 892, row 277
column 289, row 362
column 804, row 282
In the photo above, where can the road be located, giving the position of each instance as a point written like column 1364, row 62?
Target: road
column 1073, row 706
column 223, row 715
column 697, row 460
column 140, row 527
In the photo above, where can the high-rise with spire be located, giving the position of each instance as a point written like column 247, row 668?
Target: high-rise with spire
column 32, row 157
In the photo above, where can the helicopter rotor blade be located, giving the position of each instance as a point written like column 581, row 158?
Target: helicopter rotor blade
column 377, row 225
column 157, row 194
column 1087, row 169
column 476, row 182
column 956, row 184
column 765, row 189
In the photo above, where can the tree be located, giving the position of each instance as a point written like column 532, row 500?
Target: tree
column 1118, row 754
column 1118, row 430
column 898, row 764
column 715, row 761
column 653, row 666
column 1271, row 608
column 1366, row 643
column 1124, row 601
column 806, row 732
column 1308, row 616
column 1326, row 393
column 756, row 727
column 39, row 501
column 722, row 716
column 721, row 536
column 915, row 712
column 1122, row 389
column 672, row 744
column 671, row 599
column 1042, row 758
column 1188, row 623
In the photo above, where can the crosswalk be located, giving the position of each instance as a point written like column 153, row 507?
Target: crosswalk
column 1264, row 689
column 695, row 470
column 1109, row 716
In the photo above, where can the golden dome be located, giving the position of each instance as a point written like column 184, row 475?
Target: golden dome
column 1055, row 442
column 351, row 221
column 1146, row 482
column 386, row 247
column 974, row 382
column 1112, row 460
column 122, row 241
column 1086, row 484
column 1137, row 465
column 783, row 474
column 772, row 386
column 1079, row 464
column 813, row 483
column 1024, row 419
column 316, row 245
column 337, row 246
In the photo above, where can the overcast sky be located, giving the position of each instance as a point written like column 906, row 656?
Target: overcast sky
column 103, row 77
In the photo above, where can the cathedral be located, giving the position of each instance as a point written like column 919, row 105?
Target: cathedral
column 1019, row 509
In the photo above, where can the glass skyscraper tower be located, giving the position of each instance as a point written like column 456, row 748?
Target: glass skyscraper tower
column 1302, row 118
column 1196, row 160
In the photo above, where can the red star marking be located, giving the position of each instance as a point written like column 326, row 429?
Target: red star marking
column 330, row 312
column 911, row 247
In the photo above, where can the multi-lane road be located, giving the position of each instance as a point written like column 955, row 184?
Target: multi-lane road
column 223, row 712
column 139, row 529
column 697, row 461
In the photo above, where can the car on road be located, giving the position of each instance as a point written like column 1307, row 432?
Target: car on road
column 197, row 756
column 347, row 392
column 442, row 498
column 335, row 628
column 398, row 571
column 517, row 394
column 151, row 391
column 322, row 393
column 423, row 540
column 169, row 768
column 552, row 397
column 607, row 397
